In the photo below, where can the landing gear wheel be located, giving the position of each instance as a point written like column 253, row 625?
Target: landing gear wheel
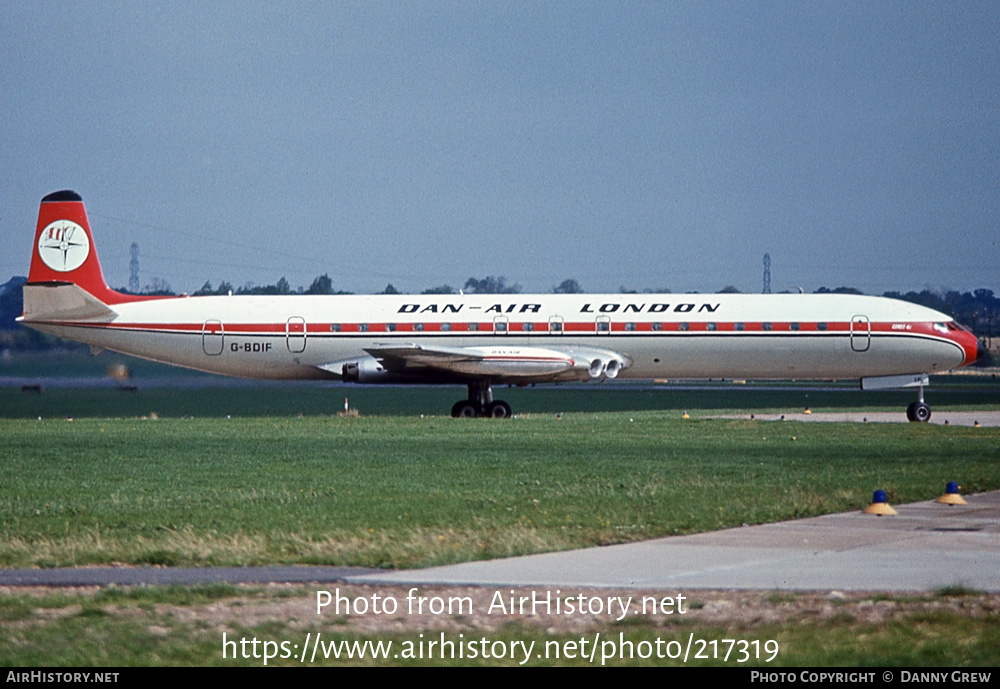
column 481, row 403
column 918, row 412
column 498, row 410
column 464, row 410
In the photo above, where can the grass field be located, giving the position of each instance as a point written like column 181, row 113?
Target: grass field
column 411, row 491
column 283, row 479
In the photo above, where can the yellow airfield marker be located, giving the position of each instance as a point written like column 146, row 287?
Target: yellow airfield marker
column 951, row 496
column 879, row 507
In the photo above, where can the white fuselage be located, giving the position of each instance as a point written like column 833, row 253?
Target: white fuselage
column 658, row 335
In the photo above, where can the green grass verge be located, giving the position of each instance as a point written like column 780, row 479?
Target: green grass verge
column 412, row 492
column 184, row 626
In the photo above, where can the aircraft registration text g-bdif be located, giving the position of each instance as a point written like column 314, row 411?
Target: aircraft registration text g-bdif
column 250, row 347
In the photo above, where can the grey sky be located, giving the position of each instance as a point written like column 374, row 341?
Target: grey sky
column 653, row 145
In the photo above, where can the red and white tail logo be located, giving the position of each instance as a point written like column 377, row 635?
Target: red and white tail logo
column 64, row 248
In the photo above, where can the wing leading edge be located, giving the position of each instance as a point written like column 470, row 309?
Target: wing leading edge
column 512, row 364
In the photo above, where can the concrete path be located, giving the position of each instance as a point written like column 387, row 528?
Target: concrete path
column 983, row 419
column 925, row 547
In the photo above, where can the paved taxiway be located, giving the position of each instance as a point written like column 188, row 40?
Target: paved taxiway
column 925, row 547
column 984, row 419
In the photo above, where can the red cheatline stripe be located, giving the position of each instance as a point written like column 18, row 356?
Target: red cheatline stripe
column 537, row 328
column 527, row 358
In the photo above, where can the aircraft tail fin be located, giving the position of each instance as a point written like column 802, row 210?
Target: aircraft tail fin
column 64, row 251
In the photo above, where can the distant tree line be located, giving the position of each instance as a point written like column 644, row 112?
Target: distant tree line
column 321, row 285
column 978, row 309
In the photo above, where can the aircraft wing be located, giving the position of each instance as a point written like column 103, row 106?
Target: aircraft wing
column 514, row 364
column 489, row 362
column 502, row 363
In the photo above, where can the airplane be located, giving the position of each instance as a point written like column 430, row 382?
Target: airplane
column 481, row 340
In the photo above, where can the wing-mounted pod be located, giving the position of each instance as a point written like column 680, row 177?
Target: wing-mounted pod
column 599, row 364
column 365, row 369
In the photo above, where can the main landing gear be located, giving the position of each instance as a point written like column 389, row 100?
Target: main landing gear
column 919, row 411
column 481, row 403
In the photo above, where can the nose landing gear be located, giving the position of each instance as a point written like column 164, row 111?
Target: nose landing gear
column 919, row 411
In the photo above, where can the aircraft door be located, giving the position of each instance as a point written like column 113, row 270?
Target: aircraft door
column 295, row 334
column 212, row 337
column 861, row 333
column 500, row 325
column 603, row 325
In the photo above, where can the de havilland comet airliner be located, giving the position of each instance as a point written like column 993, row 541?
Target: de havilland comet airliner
column 482, row 340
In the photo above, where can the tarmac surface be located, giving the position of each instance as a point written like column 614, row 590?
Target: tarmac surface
column 983, row 419
column 926, row 546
